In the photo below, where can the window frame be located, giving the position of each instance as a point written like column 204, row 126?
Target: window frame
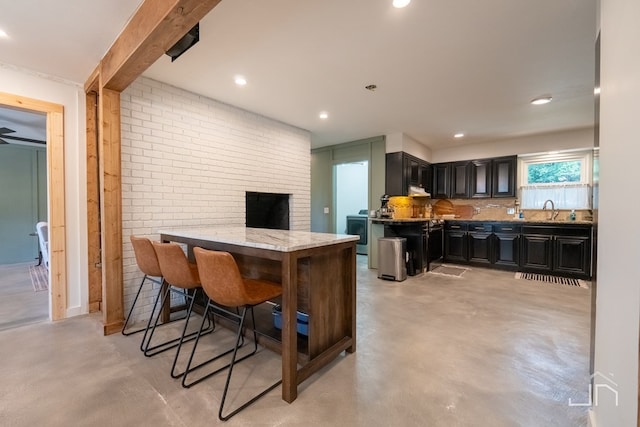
column 585, row 168
column 583, row 155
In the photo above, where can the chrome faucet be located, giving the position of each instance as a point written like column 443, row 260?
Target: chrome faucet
column 554, row 212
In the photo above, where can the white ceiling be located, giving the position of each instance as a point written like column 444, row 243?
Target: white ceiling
column 441, row 66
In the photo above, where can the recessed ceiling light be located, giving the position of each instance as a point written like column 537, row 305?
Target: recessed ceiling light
column 544, row 99
column 459, row 135
column 3, row 34
column 324, row 115
column 401, row 3
column 240, row 80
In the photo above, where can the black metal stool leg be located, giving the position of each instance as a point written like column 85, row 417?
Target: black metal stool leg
column 159, row 348
column 135, row 300
column 161, row 295
column 201, row 331
column 234, row 361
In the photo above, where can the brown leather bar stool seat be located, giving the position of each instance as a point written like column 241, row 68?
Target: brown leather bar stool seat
column 226, row 288
column 148, row 264
column 182, row 277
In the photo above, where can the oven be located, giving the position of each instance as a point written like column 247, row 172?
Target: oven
column 432, row 243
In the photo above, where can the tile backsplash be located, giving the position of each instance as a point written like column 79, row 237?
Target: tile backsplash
column 496, row 209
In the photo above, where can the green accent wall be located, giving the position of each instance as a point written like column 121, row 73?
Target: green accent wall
column 23, row 201
column 322, row 179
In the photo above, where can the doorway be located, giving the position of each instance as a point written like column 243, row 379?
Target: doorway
column 55, row 195
column 352, row 201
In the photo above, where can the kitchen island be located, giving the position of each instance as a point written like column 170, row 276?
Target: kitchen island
column 318, row 276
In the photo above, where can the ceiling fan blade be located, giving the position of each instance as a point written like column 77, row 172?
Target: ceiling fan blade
column 2, row 141
column 5, row 130
column 17, row 138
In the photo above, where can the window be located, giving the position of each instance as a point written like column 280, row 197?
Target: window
column 562, row 178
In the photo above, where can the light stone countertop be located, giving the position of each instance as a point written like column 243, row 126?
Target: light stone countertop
column 262, row 238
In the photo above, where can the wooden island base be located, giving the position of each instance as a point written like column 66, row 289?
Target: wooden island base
column 318, row 278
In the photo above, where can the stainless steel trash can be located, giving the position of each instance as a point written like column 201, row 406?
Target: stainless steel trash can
column 391, row 262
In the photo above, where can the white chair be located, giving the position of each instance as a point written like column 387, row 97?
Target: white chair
column 42, row 228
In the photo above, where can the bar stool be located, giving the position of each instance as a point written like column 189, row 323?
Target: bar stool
column 182, row 278
column 148, row 264
column 223, row 284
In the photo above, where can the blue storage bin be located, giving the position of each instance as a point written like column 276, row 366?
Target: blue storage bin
column 302, row 320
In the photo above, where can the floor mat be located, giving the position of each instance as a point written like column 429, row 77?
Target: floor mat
column 39, row 277
column 552, row 279
column 447, row 270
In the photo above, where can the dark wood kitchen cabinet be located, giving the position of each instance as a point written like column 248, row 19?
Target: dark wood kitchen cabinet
column 455, row 242
column 552, row 249
column 441, row 180
column 571, row 255
column 451, row 180
column 503, row 176
column 480, row 178
column 536, row 253
column 506, row 249
column 480, row 243
column 404, row 170
column 494, row 177
column 460, row 180
column 534, row 247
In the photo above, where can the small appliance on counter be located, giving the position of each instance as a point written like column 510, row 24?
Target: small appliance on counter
column 386, row 211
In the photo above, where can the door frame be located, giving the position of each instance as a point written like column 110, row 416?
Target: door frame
column 55, row 197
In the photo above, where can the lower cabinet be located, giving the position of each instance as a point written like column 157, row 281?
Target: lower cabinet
column 548, row 249
column 536, row 252
column 506, row 249
column 455, row 243
column 480, row 240
column 572, row 255
column 555, row 249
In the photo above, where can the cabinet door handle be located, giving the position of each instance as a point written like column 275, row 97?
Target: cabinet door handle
column 507, row 229
column 455, row 226
column 480, row 228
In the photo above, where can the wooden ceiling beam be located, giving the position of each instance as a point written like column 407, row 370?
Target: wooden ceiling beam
column 154, row 28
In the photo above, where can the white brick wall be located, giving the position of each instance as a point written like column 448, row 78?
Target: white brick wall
column 188, row 160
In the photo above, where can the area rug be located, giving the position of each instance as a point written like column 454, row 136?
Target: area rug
column 553, row 279
column 448, row 270
column 39, row 277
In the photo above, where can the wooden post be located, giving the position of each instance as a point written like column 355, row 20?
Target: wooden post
column 155, row 27
column 93, row 205
column 111, row 208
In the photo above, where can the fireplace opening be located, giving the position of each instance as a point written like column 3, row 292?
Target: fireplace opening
column 267, row 210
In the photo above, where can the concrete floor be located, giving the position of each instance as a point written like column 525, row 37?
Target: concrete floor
column 19, row 304
column 485, row 349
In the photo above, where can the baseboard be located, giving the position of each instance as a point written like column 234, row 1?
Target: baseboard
column 592, row 418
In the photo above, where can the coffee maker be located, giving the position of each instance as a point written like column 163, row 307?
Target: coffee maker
column 386, row 211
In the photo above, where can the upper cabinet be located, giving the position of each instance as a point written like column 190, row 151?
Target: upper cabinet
column 475, row 178
column 504, row 177
column 404, row 170
column 480, row 178
column 441, row 180
column 460, row 180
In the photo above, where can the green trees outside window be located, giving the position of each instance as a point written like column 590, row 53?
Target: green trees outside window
column 554, row 172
